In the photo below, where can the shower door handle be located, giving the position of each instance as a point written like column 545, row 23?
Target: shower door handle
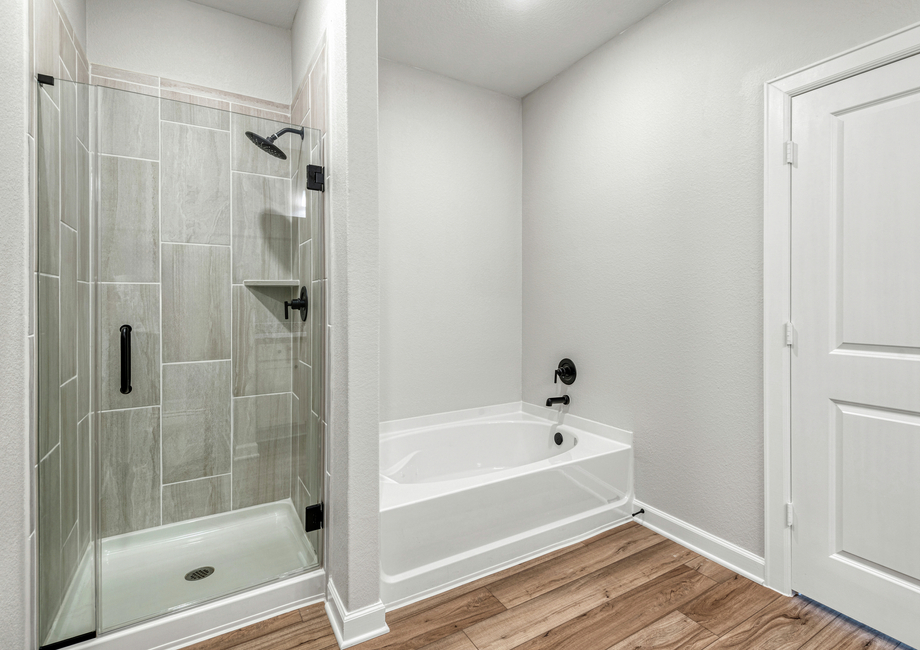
column 125, row 359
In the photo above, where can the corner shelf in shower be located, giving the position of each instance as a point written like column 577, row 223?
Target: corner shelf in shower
column 271, row 283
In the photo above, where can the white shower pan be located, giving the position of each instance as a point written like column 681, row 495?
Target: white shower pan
column 468, row 493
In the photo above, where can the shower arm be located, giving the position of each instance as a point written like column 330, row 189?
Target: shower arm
column 287, row 129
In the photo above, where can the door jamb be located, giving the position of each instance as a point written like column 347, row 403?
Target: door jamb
column 777, row 362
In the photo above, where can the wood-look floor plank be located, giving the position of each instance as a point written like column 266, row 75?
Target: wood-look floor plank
column 456, row 641
column 397, row 615
column 786, row 624
column 434, row 624
column 621, row 617
column 300, row 635
column 669, row 633
column 539, row 615
column 545, row 577
column 845, row 634
column 711, row 569
column 317, row 632
column 729, row 604
column 236, row 637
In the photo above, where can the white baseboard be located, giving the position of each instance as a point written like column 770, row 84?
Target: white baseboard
column 352, row 628
column 715, row 548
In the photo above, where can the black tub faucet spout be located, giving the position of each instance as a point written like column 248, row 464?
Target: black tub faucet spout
column 565, row 400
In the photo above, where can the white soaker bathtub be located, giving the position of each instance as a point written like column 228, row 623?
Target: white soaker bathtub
column 467, row 493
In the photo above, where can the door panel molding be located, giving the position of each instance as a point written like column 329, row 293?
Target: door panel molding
column 778, row 95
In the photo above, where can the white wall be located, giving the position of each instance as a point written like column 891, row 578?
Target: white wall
column 189, row 42
column 643, row 239
column 450, row 244
column 310, row 24
column 15, row 79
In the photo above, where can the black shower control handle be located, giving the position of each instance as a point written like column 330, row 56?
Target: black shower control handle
column 565, row 372
column 301, row 304
column 125, row 359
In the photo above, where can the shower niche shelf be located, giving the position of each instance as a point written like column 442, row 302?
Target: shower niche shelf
column 271, row 283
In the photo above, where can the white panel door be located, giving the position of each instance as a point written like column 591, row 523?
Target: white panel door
column 856, row 357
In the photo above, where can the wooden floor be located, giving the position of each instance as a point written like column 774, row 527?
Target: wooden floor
column 625, row 589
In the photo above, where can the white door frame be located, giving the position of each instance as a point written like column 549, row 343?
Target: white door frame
column 777, row 279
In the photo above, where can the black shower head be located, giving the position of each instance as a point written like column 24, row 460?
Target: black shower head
column 268, row 144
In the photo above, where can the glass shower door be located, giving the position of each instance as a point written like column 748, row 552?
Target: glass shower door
column 66, row 517
column 205, row 386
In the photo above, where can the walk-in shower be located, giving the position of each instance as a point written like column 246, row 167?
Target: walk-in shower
column 180, row 429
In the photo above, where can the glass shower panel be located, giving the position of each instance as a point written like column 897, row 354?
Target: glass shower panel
column 198, row 425
column 66, row 528
column 181, row 407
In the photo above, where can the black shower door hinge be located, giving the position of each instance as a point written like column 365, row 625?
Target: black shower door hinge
column 316, row 178
column 46, row 79
column 313, row 517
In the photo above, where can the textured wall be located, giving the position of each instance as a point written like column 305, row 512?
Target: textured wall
column 15, row 609
column 189, row 42
column 450, row 244
column 643, row 238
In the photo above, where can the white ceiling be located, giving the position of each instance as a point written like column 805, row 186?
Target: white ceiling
column 279, row 13
column 509, row 46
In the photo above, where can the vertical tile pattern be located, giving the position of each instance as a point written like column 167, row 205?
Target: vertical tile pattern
column 319, row 331
column 69, row 145
column 69, row 316
column 70, row 456
column 261, row 341
column 50, row 541
column 196, row 303
column 129, row 220
column 49, row 182
column 84, row 229
column 196, row 184
column 192, row 499
column 196, row 420
column 84, row 432
column 84, row 351
column 129, row 124
column 261, row 449
column 49, row 399
column 137, row 305
column 129, row 450
column 261, row 227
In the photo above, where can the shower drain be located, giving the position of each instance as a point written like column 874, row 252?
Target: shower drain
column 200, row 573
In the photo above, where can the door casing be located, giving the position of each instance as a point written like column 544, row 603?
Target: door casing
column 777, row 278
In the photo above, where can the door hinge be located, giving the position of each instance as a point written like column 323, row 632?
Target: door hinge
column 313, row 517
column 790, row 515
column 316, row 178
column 790, row 334
column 790, row 149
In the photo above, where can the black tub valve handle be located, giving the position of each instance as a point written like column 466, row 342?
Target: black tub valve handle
column 565, row 372
column 301, row 304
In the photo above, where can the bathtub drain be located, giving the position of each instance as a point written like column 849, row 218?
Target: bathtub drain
column 200, row 573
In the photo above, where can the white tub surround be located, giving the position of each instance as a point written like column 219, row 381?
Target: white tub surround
column 467, row 493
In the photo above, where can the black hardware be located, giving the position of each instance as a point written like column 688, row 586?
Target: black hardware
column 565, row 372
column 313, row 517
column 68, row 642
column 125, row 359
column 46, row 79
column 297, row 303
column 641, row 512
column 565, row 400
column 316, row 178
column 557, row 438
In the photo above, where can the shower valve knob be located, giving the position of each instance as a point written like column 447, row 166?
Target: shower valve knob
column 300, row 304
column 565, row 372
